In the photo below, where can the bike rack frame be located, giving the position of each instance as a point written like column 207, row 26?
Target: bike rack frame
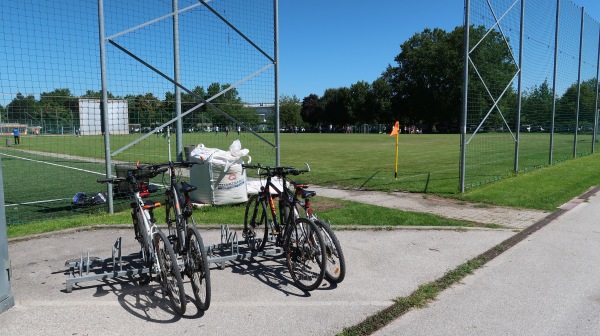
column 84, row 269
column 87, row 268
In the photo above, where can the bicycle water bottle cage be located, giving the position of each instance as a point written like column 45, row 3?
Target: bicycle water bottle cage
column 186, row 187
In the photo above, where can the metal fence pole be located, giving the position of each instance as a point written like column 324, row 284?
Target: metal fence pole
column 6, row 298
column 578, row 84
column 104, row 103
column 520, row 85
column 594, row 137
column 177, row 78
column 276, row 52
column 550, row 158
column 463, row 132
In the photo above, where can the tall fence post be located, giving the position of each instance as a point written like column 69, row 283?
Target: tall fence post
column 463, row 131
column 594, row 135
column 578, row 83
column 177, row 78
column 520, row 85
column 276, row 54
column 550, row 158
column 6, row 298
column 104, row 103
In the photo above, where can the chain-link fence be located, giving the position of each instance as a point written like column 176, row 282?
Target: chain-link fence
column 80, row 80
column 532, row 86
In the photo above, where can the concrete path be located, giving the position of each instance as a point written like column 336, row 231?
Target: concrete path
column 252, row 298
column 450, row 208
column 545, row 285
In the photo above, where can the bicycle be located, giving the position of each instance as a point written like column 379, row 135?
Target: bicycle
column 184, row 235
column 336, row 263
column 156, row 250
column 300, row 238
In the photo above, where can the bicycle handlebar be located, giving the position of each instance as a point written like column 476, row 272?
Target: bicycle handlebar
column 277, row 170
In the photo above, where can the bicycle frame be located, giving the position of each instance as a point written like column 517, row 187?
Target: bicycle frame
column 279, row 225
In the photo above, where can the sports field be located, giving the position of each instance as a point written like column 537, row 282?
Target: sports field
column 42, row 174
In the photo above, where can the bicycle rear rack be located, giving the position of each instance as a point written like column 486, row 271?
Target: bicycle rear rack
column 93, row 268
column 231, row 249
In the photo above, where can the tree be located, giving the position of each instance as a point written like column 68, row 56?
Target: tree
column 289, row 111
column 336, row 107
column 427, row 81
column 145, row 109
column 311, row 109
column 362, row 102
column 20, row 106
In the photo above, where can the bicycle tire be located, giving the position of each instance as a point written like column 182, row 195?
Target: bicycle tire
column 170, row 275
column 305, row 254
column 255, row 216
column 171, row 219
column 197, row 268
column 142, row 238
column 335, row 270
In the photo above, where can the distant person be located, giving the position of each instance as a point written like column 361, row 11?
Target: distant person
column 239, row 129
column 17, row 136
column 226, row 131
column 216, row 130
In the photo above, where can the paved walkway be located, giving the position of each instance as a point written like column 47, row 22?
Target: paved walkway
column 450, row 208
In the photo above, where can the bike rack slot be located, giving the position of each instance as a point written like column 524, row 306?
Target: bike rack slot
column 230, row 249
column 88, row 268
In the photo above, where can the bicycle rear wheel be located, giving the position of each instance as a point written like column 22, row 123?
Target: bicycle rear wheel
column 255, row 219
column 170, row 275
column 305, row 253
column 196, row 267
column 335, row 271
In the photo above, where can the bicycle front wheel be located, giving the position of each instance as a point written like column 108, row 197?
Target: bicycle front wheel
column 255, row 220
column 170, row 276
column 197, row 269
column 336, row 264
column 305, row 253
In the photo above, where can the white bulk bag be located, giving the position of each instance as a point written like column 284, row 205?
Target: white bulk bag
column 221, row 179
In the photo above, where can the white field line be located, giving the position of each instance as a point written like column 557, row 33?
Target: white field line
column 53, row 164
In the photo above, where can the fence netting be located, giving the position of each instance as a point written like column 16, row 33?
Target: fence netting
column 209, row 62
column 551, row 116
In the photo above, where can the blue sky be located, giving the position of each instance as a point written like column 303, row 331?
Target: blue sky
column 335, row 43
column 322, row 44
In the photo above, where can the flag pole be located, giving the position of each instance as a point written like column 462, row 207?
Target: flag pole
column 396, row 132
column 396, row 171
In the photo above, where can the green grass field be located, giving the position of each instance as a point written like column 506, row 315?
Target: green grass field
column 64, row 165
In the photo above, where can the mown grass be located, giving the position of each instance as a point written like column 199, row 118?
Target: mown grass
column 335, row 211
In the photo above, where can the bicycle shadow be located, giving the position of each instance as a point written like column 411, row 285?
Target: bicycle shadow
column 272, row 272
column 147, row 302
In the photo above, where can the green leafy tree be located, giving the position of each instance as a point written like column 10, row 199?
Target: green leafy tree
column 336, row 107
column 20, row 106
column 289, row 111
column 362, row 102
column 145, row 109
column 312, row 109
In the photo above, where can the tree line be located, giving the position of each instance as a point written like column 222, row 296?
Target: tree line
column 62, row 106
column 425, row 87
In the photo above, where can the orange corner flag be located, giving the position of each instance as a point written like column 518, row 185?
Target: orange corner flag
column 395, row 129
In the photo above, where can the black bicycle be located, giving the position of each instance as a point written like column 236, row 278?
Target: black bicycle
column 183, row 233
column 301, row 198
column 300, row 238
column 156, row 250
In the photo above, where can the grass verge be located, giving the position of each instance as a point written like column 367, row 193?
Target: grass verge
column 337, row 212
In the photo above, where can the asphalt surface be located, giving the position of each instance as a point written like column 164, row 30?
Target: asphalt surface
column 544, row 285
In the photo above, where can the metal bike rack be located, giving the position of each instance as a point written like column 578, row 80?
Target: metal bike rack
column 92, row 268
column 86, row 268
column 231, row 249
